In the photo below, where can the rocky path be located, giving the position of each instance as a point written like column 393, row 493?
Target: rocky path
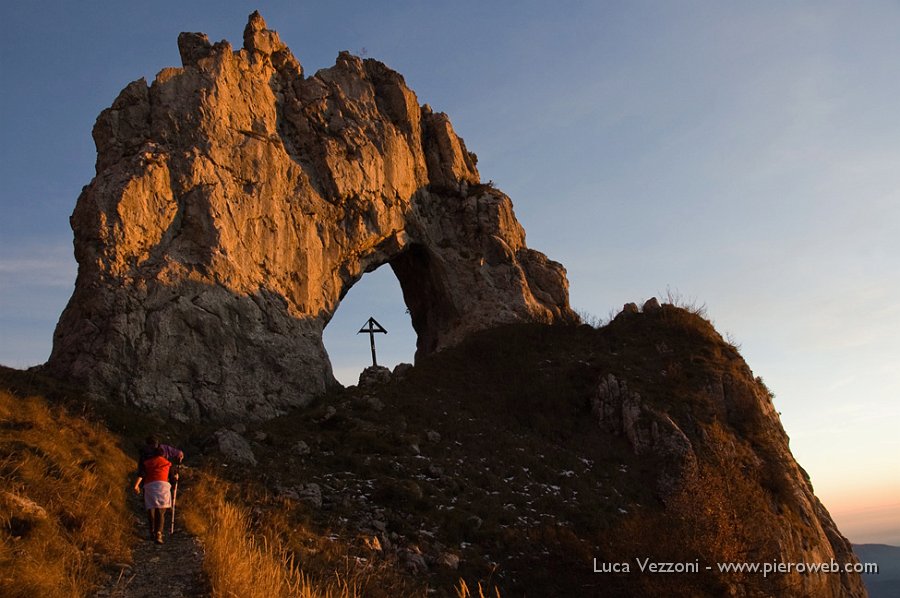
column 170, row 570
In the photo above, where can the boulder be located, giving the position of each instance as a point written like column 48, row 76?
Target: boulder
column 651, row 305
column 448, row 560
column 311, row 494
column 22, row 507
column 374, row 375
column 234, row 448
column 401, row 370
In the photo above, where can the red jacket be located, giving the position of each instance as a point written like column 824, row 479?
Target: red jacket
column 156, row 469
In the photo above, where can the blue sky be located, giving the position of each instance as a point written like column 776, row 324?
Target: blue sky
column 743, row 155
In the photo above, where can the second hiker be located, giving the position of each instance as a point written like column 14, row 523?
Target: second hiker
column 154, row 465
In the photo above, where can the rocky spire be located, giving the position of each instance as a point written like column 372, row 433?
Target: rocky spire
column 235, row 204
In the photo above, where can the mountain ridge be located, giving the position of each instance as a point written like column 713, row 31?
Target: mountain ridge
column 501, row 462
column 495, row 453
column 886, row 583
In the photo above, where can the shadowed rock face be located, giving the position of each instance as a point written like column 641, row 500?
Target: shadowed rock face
column 236, row 201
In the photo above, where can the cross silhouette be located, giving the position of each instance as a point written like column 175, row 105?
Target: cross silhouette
column 371, row 327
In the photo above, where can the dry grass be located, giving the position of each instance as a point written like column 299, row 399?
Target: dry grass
column 463, row 591
column 63, row 513
column 243, row 564
column 690, row 304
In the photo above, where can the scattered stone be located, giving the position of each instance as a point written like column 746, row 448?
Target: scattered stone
column 374, row 375
column 432, row 436
column 651, row 305
column 260, row 436
column 401, row 370
column 310, row 493
column 449, row 560
column 301, row 448
column 413, row 560
column 235, row 448
column 22, row 507
column 407, row 490
column 239, row 428
column 289, row 493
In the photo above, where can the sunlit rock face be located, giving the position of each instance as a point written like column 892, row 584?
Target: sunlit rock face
column 236, row 201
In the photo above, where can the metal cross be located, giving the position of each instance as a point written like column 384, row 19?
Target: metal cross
column 371, row 327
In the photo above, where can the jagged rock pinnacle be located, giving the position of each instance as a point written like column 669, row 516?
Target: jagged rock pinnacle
column 236, row 202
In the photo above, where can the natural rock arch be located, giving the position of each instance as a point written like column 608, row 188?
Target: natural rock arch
column 236, row 201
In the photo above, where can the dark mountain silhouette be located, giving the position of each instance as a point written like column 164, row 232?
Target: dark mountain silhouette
column 885, row 583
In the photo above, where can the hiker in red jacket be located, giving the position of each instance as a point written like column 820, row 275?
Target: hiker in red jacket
column 154, row 473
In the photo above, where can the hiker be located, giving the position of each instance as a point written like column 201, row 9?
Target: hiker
column 169, row 452
column 154, row 464
column 154, row 473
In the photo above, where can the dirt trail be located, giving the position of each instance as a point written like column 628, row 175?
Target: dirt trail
column 170, row 570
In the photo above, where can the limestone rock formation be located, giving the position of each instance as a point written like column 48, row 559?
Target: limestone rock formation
column 722, row 465
column 235, row 203
column 648, row 431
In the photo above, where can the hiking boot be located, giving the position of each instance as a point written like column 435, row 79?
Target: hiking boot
column 159, row 537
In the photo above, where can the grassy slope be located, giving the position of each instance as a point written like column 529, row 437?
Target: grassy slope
column 64, row 517
column 62, row 500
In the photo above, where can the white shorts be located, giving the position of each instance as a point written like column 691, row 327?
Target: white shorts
column 157, row 495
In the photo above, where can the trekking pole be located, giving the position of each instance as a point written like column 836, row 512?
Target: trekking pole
column 174, row 495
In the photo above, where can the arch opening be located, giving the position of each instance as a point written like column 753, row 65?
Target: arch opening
column 430, row 308
column 377, row 294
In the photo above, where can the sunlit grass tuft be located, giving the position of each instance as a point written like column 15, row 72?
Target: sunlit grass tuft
column 242, row 564
column 463, row 591
column 63, row 513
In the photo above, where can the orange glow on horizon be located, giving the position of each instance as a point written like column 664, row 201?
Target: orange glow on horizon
column 871, row 522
